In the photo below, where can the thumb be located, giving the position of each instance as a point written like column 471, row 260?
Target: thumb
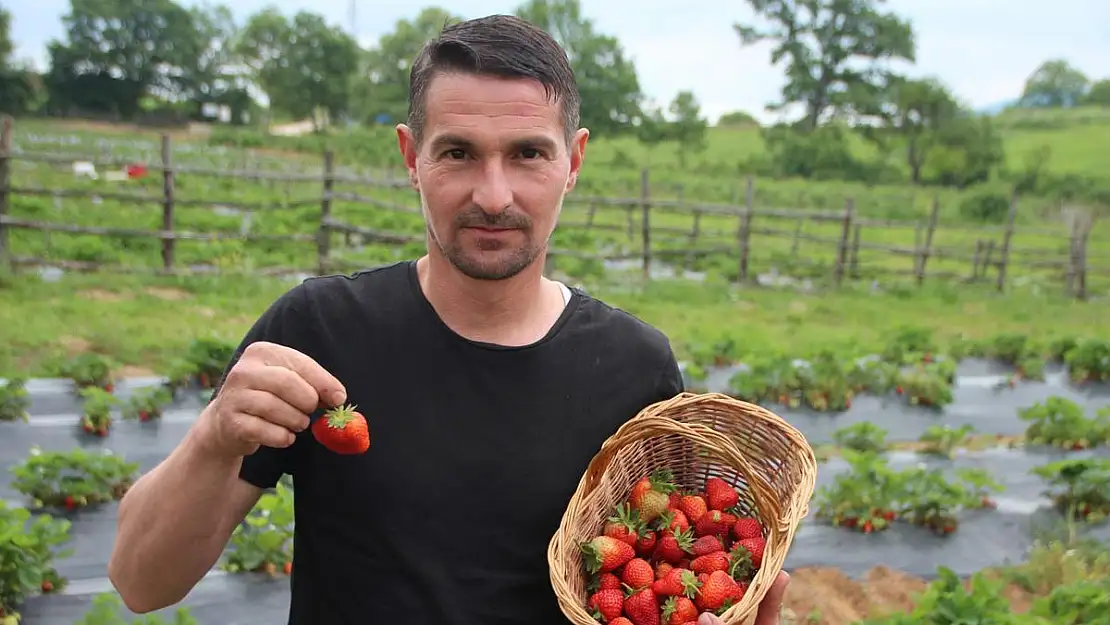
column 708, row 619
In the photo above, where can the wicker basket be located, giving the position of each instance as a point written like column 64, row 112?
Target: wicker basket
column 697, row 436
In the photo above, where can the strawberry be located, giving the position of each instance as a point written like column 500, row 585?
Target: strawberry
column 673, row 547
column 605, row 554
column 678, row 611
column 677, row 582
column 642, row 607
column 624, row 525
column 342, row 430
column 608, row 581
column 661, row 569
column 620, row 620
column 747, row 527
column 719, row 494
column 706, row 545
column 716, row 561
column 673, row 520
column 714, row 523
column 287, row 568
column 645, row 546
column 47, row 585
column 652, row 501
column 718, row 591
column 674, row 499
column 606, row 605
column 638, row 574
column 755, row 547
column 693, row 506
column 70, row 502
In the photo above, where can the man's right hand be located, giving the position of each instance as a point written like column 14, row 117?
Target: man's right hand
column 266, row 398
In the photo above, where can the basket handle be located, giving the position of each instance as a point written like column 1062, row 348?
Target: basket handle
column 647, row 426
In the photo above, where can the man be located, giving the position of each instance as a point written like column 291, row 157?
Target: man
column 487, row 387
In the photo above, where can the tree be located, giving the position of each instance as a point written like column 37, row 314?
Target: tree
column 6, row 45
column 1099, row 94
column 834, row 52
column 381, row 87
column 607, row 80
column 213, row 77
column 737, row 118
column 916, row 113
column 688, row 127
column 302, row 64
column 1054, row 84
column 117, row 51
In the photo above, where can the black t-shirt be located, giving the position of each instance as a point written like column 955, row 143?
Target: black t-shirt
column 475, row 450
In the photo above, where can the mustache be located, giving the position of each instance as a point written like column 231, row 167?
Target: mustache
column 478, row 218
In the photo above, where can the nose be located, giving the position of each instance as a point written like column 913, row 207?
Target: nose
column 492, row 192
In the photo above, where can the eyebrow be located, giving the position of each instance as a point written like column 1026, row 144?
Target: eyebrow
column 456, row 141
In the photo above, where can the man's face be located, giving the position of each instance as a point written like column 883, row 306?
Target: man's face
column 492, row 169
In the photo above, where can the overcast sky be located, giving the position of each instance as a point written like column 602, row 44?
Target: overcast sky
column 983, row 49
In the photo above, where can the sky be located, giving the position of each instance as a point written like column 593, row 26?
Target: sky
column 982, row 49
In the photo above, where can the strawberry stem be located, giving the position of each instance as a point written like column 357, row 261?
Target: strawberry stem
column 340, row 416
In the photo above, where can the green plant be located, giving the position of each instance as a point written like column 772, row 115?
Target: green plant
column 147, row 403
column 1060, row 422
column 72, row 479
column 14, row 400
column 28, row 546
column 96, row 410
column 943, row 440
column 1079, row 487
column 264, row 541
column 106, row 608
column 209, row 357
column 948, row 600
column 90, row 369
column 863, row 437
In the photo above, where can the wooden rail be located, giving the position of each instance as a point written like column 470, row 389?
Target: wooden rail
column 648, row 230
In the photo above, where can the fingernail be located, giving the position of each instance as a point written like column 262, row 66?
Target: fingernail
column 338, row 398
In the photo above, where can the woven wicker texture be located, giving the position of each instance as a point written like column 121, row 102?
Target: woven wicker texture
column 697, row 436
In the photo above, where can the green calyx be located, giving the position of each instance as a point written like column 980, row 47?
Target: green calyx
column 339, row 417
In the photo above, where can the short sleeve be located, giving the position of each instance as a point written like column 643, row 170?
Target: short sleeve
column 280, row 323
column 670, row 381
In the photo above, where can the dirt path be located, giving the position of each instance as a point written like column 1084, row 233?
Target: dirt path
column 826, row 596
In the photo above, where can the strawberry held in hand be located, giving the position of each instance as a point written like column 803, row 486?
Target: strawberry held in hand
column 342, row 430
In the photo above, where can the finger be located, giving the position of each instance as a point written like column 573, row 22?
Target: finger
column 330, row 389
column 256, row 430
column 771, row 606
column 709, row 619
column 269, row 407
column 283, row 383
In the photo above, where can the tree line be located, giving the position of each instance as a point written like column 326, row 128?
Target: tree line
column 124, row 57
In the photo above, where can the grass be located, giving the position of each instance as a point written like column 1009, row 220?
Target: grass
column 146, row 321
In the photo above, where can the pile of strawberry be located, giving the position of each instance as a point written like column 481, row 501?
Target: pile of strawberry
column 666, row 556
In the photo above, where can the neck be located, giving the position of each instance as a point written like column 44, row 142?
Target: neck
column 515, row 311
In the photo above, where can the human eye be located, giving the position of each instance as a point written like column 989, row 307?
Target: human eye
column 529, row 154
column 455, row 154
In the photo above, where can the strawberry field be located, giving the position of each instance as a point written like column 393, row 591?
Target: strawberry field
column 934, row 457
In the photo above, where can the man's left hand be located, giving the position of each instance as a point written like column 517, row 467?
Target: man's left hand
column 769, row 608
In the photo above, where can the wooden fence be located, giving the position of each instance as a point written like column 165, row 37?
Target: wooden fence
column 982, row 250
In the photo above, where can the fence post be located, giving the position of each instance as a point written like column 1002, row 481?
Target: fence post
column 934, row 214
column 1004, row 261
column 853, row 258
column 167, row 204
column 746, row 229
column 645, row 217
column 845, row 233
column 323, row 236
column 1081, row 269
column 5, row 188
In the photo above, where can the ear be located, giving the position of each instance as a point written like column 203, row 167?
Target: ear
column 577, row 156
column 406, row 143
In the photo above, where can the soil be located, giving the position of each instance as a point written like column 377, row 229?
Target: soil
column 102, row 295
column 168, row 293
column 826, row 596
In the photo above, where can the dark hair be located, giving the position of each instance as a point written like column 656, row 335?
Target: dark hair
column 503, row 46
